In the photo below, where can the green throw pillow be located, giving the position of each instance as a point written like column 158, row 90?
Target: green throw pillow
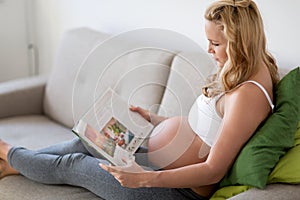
column 271, row 140
column 287, row 169
column 229, row 191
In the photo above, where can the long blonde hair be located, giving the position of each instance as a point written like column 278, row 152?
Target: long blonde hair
column 242, row 25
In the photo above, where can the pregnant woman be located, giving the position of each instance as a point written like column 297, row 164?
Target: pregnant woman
column 192, row 153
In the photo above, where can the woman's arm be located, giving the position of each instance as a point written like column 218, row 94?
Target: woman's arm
column 245, row 109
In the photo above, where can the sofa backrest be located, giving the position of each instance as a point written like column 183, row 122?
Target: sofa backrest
column 74, row 47
column 188, row 74
column 88, row 62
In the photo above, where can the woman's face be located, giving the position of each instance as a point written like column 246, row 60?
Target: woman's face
column 217, row 42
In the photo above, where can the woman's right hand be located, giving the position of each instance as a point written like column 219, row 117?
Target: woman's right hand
column 143, row 112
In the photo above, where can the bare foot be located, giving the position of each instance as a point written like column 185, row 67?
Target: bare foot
column 6, row 169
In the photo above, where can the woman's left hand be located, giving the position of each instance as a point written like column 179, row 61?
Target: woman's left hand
column 131, row 175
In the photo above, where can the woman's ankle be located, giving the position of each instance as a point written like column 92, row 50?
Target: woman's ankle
column 4, row 149
column 6, row 169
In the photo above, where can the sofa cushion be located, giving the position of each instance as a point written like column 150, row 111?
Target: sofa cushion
column 89, row 62
column 271, row 192
column 138, row 76
column 30, row 190
column 75, row 46
column 188, row 74
column 229, row 191
column 271, row 140
column 135, row 64
column 287, row 169
column 33, row 131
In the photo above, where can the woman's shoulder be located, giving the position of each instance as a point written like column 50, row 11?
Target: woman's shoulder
column 249, row 97
column 259, row 82
column 243, row 92
column 248, row 90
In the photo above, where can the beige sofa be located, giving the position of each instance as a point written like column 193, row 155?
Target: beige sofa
column 40, row 111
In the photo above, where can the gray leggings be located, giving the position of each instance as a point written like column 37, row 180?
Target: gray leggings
column 71, row 163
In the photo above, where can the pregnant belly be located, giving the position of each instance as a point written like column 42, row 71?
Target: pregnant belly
column 174, row 144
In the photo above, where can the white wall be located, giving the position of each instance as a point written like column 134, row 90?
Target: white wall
column 14, row 58
column 54, row 17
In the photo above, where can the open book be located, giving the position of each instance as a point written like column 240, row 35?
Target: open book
column 112, row 129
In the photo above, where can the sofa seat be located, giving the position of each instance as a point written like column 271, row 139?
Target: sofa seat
column 34, row 132
column 30, row 190
column 271, row 192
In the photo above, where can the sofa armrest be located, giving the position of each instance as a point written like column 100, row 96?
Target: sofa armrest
column 22, row 96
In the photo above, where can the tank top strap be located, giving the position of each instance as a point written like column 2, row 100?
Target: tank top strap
column 263, row 90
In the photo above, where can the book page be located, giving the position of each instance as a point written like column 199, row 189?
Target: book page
column 112, row 129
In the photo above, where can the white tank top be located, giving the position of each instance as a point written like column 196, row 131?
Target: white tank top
column 204, row 118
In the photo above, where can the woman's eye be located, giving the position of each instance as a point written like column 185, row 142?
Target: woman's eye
column 215, row 44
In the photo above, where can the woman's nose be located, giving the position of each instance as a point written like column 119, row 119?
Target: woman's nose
column 210, row 49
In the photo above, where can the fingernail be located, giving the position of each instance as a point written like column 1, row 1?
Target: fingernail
column 132, row 107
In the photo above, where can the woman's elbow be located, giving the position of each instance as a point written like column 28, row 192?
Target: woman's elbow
column 215, row 174
column 216, row 178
